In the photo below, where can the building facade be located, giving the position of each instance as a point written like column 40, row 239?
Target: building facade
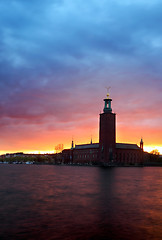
column 107, row 151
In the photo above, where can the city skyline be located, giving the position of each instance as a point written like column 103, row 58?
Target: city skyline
column 57, row 57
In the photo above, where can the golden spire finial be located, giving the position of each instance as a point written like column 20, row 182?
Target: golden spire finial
column 108, row 92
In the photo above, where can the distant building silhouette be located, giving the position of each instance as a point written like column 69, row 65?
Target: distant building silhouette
column 107, row 151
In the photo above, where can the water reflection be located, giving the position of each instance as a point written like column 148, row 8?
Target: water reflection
column 53, row 202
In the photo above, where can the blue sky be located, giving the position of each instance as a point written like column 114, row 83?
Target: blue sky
column 57, row 57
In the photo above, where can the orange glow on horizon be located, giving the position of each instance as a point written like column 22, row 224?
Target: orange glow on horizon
column 150, row 148
column 44, row 140
column 147, row 148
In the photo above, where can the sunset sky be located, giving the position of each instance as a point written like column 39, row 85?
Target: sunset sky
column 57, row 57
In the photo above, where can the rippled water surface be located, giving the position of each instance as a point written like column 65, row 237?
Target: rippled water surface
column 63, row 202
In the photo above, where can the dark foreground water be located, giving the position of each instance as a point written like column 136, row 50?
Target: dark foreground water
column 61, row 202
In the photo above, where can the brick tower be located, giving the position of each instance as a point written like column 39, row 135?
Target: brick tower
column 107, row 133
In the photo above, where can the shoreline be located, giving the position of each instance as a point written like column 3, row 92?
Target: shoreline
column 155, row 164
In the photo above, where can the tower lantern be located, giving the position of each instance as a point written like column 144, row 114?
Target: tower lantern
column 107, row 107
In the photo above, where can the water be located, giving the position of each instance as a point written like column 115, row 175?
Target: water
column 63, row 202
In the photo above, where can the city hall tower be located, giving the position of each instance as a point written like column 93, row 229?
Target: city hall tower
column 107, row 133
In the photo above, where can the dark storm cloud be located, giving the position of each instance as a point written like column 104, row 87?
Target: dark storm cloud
column 52, row 50
column 41, row 34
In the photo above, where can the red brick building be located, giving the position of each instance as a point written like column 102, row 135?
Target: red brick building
column 107, row 151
